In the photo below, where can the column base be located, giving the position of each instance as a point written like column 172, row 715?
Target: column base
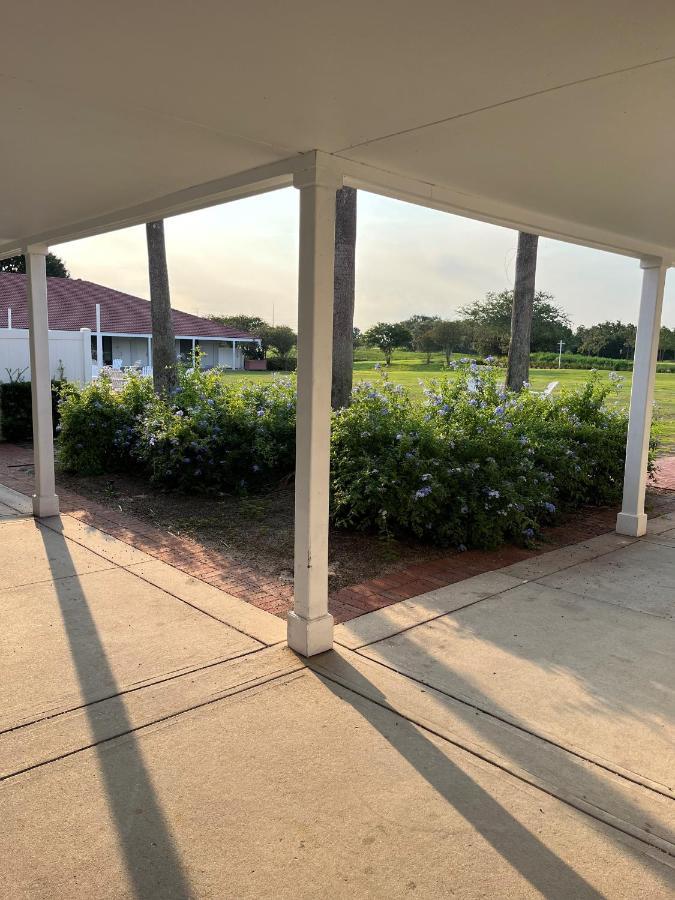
column 634, row 525
column 310, row 636
column 45, row 506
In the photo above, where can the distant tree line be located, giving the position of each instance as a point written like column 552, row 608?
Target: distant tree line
column 56, row 268
column 484, row 327
column 281, row 339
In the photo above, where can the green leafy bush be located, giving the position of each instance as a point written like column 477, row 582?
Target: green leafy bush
column 581, row 361
column 280, row 364
column 211, row 435
column 473, row 465
column 218, row 435
column 16, row 405
column 97, row 431
column 16, row 409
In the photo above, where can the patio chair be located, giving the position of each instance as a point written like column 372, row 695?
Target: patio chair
column 550, row 387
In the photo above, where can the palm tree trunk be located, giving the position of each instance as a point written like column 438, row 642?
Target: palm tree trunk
column 164, row 374
column 343, row 296
column 518, row 366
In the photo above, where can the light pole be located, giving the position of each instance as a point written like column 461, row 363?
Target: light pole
column 560, row 346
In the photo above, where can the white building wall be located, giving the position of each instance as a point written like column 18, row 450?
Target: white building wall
column 69, row 353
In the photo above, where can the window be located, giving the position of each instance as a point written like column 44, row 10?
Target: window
column 185, row 350
column 107, row 349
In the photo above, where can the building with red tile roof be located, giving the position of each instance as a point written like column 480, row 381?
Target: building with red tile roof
column 125, row 322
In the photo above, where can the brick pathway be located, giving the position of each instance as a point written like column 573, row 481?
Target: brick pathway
column 665, row 473
column 265, row 592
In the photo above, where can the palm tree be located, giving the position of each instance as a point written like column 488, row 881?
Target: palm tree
column 518, row 366
column 343, row 296
column 164, row 373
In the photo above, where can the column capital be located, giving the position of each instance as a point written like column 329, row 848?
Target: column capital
column 319, row 170
column 36, row 249
column 653, row 262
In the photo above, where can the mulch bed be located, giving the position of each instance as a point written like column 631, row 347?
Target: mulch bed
column 245, row 545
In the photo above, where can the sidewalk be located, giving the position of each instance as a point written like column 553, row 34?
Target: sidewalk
column 158, row 740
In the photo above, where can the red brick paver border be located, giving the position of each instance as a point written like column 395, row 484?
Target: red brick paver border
column 268, row 593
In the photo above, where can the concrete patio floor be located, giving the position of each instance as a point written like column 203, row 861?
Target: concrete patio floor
column 508, row 736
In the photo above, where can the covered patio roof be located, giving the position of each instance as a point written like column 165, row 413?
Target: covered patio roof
column 555, row 119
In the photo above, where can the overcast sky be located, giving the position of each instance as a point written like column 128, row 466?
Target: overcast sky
column 242, row 257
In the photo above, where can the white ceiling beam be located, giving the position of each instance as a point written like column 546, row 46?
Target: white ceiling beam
column 248, row 183
column 495, row 212
column 274, row 176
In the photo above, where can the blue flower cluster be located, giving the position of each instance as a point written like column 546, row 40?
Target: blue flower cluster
column 473, row 464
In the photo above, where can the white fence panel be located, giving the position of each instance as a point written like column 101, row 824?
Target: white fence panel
column 69, row 354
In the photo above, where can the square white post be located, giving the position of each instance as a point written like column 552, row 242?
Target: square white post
column 149, row 351
column 87, row 361
column 310, row 626
column 99, row 338
column 45, row 501
column 632, row 519
column 234, row 355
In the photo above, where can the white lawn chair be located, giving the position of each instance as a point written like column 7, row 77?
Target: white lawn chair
column 550, row 387
column 117, row 364
column 146, row 371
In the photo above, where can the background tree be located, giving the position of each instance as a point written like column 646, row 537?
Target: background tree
column 280, row 338
column 252, row 324
column 518, row 364
column 424, row 341
column 489, row 320
column 163, row 337
column 612, row 339
column 343, row 296
column 357, row 337
column 418, row 323
column 56, row 268
column 388, row 336
column 449, row 336
column 666, row 343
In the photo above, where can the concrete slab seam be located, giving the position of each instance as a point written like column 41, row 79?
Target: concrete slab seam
column 573, row 751
column 651, row 841
column 239, row 689
column 133, row 689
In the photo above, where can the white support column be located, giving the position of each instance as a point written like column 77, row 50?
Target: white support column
column 149, row 351
column 632, row 519
column 99, row 339
column 45, row 501
column 310, row 626
column 194, row 353
column 234, row 355
column 86, row 355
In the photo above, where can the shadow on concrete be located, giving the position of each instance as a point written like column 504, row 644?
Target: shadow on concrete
column 144, row 835
column 542, row 868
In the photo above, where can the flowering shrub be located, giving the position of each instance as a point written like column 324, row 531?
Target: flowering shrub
column 473, row 465
column 219, row 436
column 470, row 465
column 98, row 425
column 210, row 435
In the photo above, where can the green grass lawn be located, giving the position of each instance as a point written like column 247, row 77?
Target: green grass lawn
column 409, row 368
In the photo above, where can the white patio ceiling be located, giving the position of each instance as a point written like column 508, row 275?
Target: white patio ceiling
column 555, row 116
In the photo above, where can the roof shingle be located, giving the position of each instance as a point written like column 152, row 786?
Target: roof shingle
column 72, row 305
